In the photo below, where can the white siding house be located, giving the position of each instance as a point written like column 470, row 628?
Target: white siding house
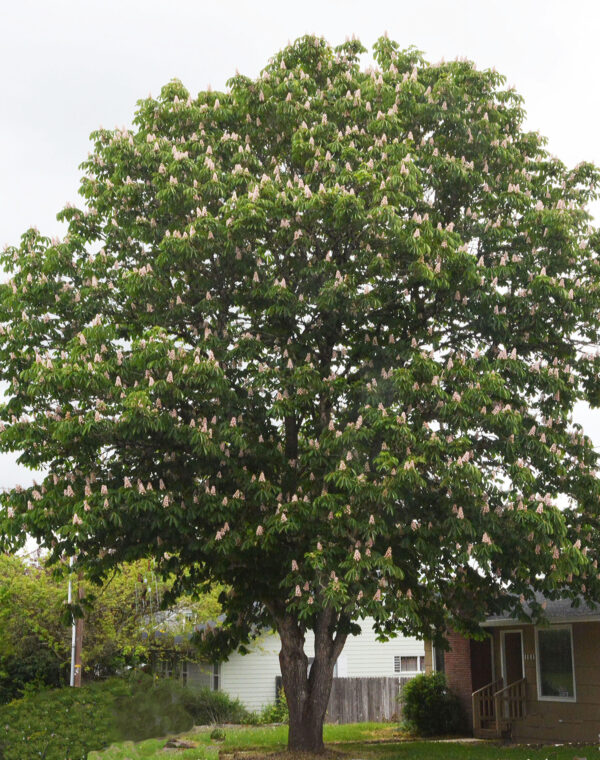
column 251, row 677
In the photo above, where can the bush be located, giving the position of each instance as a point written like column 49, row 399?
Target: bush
column 55, row 724
column 277, row 712
column 217, row 735
column 430, row 708
column 206, row 706
column 152, row 707
column 35, row 665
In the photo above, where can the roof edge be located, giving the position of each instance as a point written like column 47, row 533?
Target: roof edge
column 554, row 621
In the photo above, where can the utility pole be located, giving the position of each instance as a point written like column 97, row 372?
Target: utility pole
column 78, row 639
column 73, row 627
column 76, row 633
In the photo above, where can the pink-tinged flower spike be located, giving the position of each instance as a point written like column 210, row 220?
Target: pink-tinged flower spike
column 298, row 591
column 126, row 483
column 356, row 555
column 77, row 520
column 486, row 539
column 259, row 530
column 294, row 566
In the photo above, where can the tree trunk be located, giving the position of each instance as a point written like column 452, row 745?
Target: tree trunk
column 307, row 695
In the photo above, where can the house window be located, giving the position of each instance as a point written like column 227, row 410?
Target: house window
column 165, row 668
column 409, row 664
column 556, row 677
column 215, row 677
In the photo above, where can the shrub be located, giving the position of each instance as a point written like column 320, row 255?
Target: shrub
column 217, row 735
column 35, row 665
column 55, row 724
column 277, row 712
column 153, row 707
column 430, row 708
column 206, row 706
column 58, row 723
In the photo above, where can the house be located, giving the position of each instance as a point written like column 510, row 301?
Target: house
column 252, row 677
column 529, row 683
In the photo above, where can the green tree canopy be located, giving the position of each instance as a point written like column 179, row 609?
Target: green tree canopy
column 119, row 623
column 317, row 338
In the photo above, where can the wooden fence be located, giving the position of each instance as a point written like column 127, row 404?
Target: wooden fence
column 354, row 700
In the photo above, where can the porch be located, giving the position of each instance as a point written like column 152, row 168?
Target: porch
column 496, row 707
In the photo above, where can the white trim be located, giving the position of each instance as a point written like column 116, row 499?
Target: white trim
column 503, row 654
column 569, row 627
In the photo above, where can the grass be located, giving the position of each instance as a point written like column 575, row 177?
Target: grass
column 350, row 741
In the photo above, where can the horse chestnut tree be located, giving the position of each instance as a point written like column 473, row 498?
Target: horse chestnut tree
column 317, row 338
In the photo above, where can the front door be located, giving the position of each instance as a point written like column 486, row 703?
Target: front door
column 481, row 663
column 513, row 657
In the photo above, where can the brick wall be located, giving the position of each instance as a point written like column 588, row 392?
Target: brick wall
column 458, row 670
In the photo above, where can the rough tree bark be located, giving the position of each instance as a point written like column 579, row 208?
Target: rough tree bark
column 307, row 694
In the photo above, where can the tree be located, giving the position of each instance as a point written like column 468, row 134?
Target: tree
column 34, row 643
column 317, row 338
column 35, row 637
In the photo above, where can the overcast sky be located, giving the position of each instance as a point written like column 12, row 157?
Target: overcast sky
column 69, row 66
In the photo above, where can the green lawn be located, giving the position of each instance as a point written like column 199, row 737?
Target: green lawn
column 353, row 741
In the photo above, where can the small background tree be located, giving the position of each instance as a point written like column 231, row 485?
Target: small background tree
column 120, row 623
column 318, row 339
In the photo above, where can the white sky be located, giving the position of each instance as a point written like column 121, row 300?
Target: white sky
column 69, row 66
